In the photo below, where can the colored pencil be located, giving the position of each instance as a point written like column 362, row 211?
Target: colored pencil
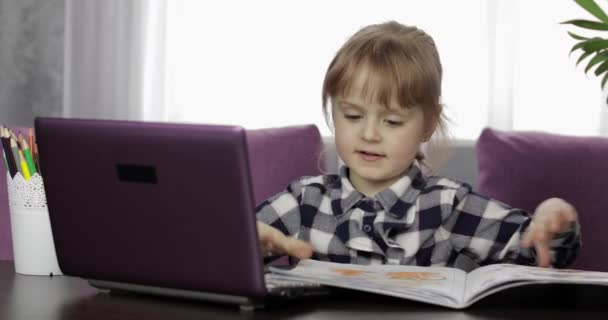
column 37, row 157
column 8, row 153
column 5, row 161
column 30, row 137
column 28, row 157
column 15, row 150
column 24, row 169
column 20, row 142
column 12, row 135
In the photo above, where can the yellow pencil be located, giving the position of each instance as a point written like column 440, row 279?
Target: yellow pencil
column 27, row 153
column 26, row 171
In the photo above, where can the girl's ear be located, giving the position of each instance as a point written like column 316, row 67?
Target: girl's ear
column 430, row 126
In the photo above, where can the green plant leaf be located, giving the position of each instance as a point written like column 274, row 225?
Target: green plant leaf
column 582, row 44
column 593, row 8
column 588, row 24
column 595, row 45
column 582, row 57
column 577, row 46
column 576, row 36
column 602, row 68
column 601, row 57
column 604, row 80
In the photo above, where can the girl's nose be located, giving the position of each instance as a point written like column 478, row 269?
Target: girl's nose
column 370, row 131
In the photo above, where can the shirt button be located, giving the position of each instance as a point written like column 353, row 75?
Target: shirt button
column 367, row 228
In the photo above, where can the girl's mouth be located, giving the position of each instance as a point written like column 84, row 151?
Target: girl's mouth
column 370, row 156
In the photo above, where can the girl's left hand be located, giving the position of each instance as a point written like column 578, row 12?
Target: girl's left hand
column 552, row 216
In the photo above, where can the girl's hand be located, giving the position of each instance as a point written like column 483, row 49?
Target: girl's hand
column 274, row 242
column 552, row 216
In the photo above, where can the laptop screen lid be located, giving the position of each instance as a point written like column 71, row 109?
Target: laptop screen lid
column 158, row 204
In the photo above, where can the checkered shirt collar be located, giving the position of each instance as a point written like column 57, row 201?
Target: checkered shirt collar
column 396, row 199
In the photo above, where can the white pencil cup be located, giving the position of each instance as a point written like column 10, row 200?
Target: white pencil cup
column 33, row 246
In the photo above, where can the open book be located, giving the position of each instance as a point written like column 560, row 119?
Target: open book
column 448, row 287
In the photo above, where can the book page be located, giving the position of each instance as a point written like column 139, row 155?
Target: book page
column 444, row 286
column 492, row 278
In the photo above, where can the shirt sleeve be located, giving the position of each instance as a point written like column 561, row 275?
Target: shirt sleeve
column 282, row 210
column 489, row 231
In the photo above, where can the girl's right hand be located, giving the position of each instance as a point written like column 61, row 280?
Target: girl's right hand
column 274, row 243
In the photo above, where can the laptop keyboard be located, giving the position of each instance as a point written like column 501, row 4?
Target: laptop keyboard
column 280, row 285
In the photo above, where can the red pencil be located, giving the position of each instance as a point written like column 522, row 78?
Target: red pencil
column 30, row 137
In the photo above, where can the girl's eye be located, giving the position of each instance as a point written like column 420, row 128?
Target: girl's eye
column 352, row 116
column 394, row 123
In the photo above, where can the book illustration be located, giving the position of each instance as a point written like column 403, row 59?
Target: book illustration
column 402, row 275
column 379, row 276
column 396, row 275
column 443, row 286
column 348, row 272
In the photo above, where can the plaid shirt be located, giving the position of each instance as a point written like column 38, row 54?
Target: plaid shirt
column 419, row 220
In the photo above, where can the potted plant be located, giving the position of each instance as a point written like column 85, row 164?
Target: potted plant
column 594, row 47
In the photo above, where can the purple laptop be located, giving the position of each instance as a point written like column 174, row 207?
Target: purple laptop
column 154, row 207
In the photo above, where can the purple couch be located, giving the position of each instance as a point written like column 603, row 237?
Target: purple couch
column 524, row 168
column 277, row 156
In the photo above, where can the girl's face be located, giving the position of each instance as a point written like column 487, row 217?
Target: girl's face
column 378, row 144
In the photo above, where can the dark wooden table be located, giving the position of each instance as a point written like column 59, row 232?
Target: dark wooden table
column 63, row 297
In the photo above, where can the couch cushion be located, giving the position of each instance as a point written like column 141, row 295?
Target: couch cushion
column 278, row 156
column 524, row 168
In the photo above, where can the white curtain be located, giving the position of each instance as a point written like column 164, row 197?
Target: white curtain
column 113, row 59
column 501, row 20
column 261, row 64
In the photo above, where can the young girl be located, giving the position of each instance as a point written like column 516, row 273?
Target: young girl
column 382, row 93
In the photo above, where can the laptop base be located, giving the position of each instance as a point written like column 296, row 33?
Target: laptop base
column 245, row 303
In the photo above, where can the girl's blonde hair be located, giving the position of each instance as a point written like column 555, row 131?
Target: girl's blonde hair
column 393, row 61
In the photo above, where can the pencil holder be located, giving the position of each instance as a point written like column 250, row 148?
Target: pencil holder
column 33, row 246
